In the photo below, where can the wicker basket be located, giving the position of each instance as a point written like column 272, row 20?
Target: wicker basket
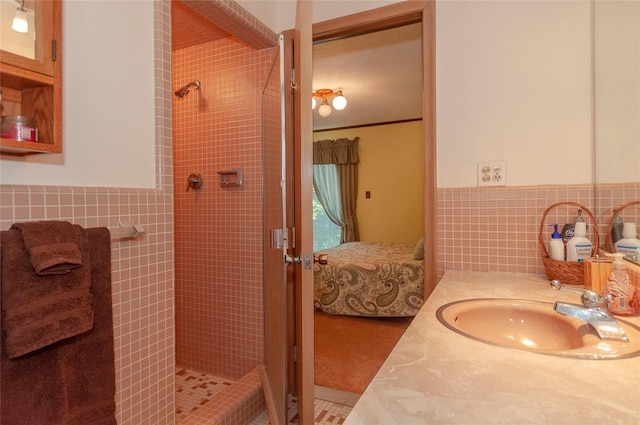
column 616, row 211
column 567, row 272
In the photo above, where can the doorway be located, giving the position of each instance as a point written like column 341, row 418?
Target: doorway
column 384, row 18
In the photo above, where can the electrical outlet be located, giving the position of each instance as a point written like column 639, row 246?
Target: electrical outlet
column 492, row 173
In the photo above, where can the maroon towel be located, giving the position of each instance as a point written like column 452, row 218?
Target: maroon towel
column 40, row 310
column 71, row 382
column 52, row 245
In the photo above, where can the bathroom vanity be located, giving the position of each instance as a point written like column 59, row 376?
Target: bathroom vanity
column 437, row 376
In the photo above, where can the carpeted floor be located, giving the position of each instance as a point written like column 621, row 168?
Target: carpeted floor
column 350, row 350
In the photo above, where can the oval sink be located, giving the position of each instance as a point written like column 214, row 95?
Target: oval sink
column 535, row 327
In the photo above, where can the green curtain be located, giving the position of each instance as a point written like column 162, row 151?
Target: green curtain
column 335, row 180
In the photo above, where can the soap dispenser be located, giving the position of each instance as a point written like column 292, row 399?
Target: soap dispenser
column 556, row 246
column 629, row 245
column 624, row 295
column 579, row 247
column 568, row 230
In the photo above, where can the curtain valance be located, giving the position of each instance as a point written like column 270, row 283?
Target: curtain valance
column 338, row 151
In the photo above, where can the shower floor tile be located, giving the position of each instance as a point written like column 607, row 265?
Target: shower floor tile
column 194, row 389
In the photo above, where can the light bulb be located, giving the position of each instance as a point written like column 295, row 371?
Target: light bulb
column 324, row 110
column 340, row 102
column 20, row 23
column 313, row 103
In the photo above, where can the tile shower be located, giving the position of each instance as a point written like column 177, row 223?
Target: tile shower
column 218, row 230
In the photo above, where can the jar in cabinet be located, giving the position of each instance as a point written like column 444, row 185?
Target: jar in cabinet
column 20, row 128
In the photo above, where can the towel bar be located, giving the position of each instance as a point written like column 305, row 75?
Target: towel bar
column 127, row 232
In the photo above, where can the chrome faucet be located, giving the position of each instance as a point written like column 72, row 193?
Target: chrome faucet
column 593, row 311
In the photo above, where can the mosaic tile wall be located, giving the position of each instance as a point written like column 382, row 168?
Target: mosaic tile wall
column 142, row 270
column 496, row 229
column 219, row 230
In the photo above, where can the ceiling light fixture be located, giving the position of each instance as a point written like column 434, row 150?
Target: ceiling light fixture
column 339, row 101
column 20, row 22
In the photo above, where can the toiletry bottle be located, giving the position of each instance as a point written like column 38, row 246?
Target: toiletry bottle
column 579, row 247
column 556, row 246
column 629, row 245
column 624, row 295
column 616, row 229
column 569, row 228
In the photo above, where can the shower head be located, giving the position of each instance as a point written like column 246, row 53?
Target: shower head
column 184, row 90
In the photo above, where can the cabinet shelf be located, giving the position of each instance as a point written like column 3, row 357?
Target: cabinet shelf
column 21, row 79
column 16, row 148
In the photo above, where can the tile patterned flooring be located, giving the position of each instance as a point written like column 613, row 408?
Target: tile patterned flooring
column 194, row 389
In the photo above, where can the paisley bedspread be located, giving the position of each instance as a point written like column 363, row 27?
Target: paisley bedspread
column 378, row 279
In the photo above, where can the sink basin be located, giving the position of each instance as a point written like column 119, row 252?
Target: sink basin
column 535, row 327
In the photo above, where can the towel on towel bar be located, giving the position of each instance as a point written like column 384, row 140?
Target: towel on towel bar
column 52, row 245
column 71, row 382
column 40, row 310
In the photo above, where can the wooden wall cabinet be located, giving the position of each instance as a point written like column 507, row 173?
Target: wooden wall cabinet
column 33, row 87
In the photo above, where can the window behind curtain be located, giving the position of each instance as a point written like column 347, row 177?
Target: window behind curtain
column 326, row 234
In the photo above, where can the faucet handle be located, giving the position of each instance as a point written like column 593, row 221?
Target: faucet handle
column 592, row 299
column 589, row 298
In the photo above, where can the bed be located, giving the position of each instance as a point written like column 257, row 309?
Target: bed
column 374, row 279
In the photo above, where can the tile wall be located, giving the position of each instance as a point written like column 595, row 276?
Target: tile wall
column 142, row 270
column 496, row 229
column 219, row 230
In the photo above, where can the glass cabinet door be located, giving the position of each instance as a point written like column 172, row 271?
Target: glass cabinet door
column 34, row 49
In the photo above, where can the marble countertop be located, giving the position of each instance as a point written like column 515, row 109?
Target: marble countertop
column 435, row 376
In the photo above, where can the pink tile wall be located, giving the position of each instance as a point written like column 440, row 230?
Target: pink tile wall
column 219, row 231
column 142, row 282
column 612, row 197
column 235, row 20
column 496, row 229
column 142, row 270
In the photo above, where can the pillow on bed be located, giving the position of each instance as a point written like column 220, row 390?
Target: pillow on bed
column 418, row 251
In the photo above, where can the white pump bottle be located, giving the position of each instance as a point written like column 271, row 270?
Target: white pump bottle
column 556, row 246
column 579, row 247
column 629, row 245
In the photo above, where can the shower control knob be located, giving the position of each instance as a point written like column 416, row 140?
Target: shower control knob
column 194, row 181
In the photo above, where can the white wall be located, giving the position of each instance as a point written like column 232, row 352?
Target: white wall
column 513, row 83
column 617, row 91
column 280, row 15
column 108, row 100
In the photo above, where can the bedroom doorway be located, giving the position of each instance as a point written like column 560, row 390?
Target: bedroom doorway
column 349, row 29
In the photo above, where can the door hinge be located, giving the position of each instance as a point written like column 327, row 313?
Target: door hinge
column 294, row 353
column 280, row 238
column 283, row 238
column 54, row 50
